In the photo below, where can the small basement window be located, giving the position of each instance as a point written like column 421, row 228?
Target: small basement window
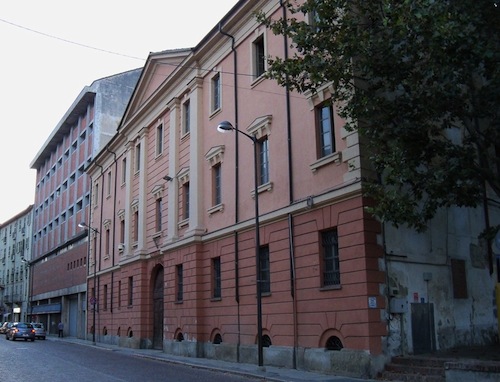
column 334, row 343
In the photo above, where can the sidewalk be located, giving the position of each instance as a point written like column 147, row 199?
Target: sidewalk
column 266, row 373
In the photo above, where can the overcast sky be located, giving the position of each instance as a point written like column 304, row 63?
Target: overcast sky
column 51, row 49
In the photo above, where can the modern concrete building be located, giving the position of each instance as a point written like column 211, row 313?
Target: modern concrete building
column 179, row 262
column 62, row 199
column 15, row 255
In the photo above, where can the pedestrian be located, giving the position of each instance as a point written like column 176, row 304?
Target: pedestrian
column 60, row 326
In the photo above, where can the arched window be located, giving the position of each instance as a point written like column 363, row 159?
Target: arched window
column 217, row 339
column 266, row 341
column 334, row 343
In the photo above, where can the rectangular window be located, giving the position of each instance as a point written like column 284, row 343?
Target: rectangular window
column 109, row 183
column 263, row 165
column 158, row 215
column 136, row 225
column 314, row 20
column 122, row 231
column 96, row 194
column 105, row 297
column 259, row 57
column 330, row 257
column 216, row 271
column 265, row 270
column 325, row 130
column 216, row 88
column 186, row 117
column 159, row 139
column 107, row 241
column 124, row 170
column 217, row 185
column 119, row 294
column 138, row 157
column 185, row 200
column 130, row 299
column 179, row 283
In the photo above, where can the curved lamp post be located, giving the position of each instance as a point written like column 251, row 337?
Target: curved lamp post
column 94, row 300
column 224, row 127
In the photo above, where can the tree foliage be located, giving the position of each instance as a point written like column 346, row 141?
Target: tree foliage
column 419, row 80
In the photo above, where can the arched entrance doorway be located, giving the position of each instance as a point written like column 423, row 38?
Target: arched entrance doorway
column 158, row 290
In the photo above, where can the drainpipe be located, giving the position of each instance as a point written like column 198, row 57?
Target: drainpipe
column 236, row 184
column 101, row 208
column 96, row 291
column 113, row 240
column 291, row 199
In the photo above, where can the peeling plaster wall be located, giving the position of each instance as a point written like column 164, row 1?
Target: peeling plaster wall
column 419, row 271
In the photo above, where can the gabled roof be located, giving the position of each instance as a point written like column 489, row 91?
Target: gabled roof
column 158, row 68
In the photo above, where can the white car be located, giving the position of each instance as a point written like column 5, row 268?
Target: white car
column 40, row 332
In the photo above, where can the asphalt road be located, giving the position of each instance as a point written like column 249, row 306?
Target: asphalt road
column 54, row 361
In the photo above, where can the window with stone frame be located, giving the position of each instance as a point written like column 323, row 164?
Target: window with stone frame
column 323, row 127
column 137, row 157
column 265, row 270
column 216, row 278
column 179, row 282
column 130, row 299
column 259, row 56
column 186, row 117
column 184, row 195
column 124, row 170
column 158, row 214
column 260, row 128
column 325, row 130
column 215, row 157
column 158, row 200
column 159, row 139
column 330, row 258
column 216, row 92
column 263, row 160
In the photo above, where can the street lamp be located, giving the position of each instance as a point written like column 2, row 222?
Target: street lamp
column 224, row 127
column 93, row 299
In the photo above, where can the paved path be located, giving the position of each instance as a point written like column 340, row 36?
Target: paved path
column 267, row 373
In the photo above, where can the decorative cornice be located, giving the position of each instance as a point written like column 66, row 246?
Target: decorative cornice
column 215, row 155
column 135, row 205
column 157, row 191
column 260, row 127
column 121, row 214
column 183, row 175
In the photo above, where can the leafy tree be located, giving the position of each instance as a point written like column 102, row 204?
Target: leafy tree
column 419, row 80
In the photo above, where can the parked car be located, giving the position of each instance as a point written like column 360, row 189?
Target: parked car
column 21, row 330
column 5, row 326
column 40, row 332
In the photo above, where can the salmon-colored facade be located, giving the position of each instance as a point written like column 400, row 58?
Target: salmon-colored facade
column 59, row 251
column 173, row 215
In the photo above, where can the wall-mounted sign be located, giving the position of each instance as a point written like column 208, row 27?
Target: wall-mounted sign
column 372, row 302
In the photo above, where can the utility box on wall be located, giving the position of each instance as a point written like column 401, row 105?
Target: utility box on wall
column 398, row 305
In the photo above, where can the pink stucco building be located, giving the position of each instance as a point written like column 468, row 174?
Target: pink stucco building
column 58, row 265
column 173, row 246
column 173, row 205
